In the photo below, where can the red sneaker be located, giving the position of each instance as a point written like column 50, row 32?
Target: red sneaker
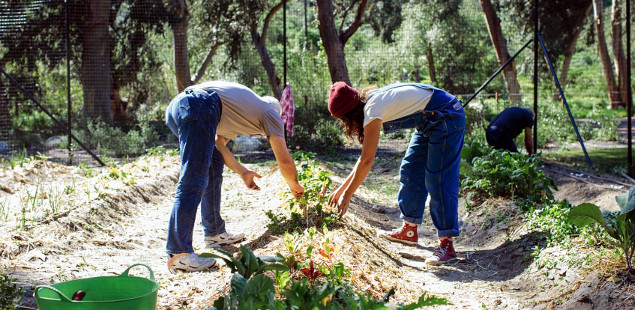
column 405, row 234
column 444, row 254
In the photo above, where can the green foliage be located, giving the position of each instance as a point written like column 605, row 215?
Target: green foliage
column 35, row 120
column 620, row 225
column 316, row 131
column 10, row 292
column 310, row 292
column 425, row 41
column 312, row 208
column 506, row 174
column 473, row 148
column 113, row 141
column 249, row 264
column 552, row 219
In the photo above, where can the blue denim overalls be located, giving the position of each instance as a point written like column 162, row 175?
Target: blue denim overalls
column 193, row 116
column 432, row 162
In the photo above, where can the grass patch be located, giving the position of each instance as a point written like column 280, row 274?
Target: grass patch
column 606, row 160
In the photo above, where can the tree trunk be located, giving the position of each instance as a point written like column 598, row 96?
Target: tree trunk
column 568, row 55
column 333, row 46
column 208, row 59
column 95, row 72
column 181, row 61
column 502, row 54
column 607, row 67
column 260, row 42
column 433, row 71
column 618, row 52
column 270, row 68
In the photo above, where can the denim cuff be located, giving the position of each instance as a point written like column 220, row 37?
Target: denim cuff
column 412, row 220
column 449, row 232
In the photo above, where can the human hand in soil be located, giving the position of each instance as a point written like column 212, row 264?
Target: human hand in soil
column 339, row 200
column 297, row 190
column 248, row 177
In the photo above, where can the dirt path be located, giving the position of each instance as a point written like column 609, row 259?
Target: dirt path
column 103, row 236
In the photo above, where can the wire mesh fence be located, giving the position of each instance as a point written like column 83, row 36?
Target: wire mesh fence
column 120, row 68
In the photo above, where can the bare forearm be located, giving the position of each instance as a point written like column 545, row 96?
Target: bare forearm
column 529, row 141
column 228, row 157
column 357, row 176
column 284, row 159
column 288, row 171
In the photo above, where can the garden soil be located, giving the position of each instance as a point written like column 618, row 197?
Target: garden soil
column 111, row 218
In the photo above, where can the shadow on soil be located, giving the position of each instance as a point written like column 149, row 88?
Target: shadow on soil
column 502, row 263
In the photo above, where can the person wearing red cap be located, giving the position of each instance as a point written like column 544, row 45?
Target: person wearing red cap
column 430, row 165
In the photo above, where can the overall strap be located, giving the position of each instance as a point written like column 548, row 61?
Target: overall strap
column 397, row 85
column 438, row 99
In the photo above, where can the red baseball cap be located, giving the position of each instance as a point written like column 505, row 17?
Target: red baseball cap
column 342, row 99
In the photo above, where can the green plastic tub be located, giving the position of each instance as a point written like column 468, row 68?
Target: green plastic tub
column 121, row 292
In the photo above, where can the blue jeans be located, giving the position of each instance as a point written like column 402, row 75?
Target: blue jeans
column 500, row 139
column 193, row 117
column 431, row 167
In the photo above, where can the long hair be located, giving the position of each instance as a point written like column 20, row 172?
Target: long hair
column 353, row 121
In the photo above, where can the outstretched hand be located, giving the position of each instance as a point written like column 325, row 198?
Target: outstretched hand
column 339, row 200
column 248, row 178
column 297, row 190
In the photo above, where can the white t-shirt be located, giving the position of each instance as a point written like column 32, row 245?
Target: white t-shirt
column 396, row 103
column 244, row 112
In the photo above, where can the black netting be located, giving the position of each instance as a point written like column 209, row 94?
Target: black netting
column 112, row 85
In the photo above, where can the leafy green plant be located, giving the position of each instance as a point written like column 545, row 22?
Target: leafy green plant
column 248, row 264
column 306, row 293
column 473, row 148
column 312, row 207
column 255, row 293
column 10, row 292
column 620, row 225
column 552, row 219
column 506, row 174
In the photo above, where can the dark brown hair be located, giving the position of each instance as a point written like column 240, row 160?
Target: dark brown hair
column 353, row 121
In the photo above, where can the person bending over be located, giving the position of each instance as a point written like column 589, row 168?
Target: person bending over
column 507, row 125
column 204, row 117
column 430, row 165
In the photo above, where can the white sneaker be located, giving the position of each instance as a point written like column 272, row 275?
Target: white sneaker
column 223, row 239
column 190, row 262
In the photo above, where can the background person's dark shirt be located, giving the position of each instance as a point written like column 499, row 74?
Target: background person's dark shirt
column 513, row 120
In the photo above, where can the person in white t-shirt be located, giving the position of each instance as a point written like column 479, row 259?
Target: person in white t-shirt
column 430, row 165
column 204, row 117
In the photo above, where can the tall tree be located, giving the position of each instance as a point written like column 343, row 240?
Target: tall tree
column 446, row 38
column 260, row 43
column 607, row 67
column 619, row 56
column 179, row 24
column 108, row 44
column 214, row 27
column 334, row 39
column 502, row 54
column 385, row 16
column 570, row 46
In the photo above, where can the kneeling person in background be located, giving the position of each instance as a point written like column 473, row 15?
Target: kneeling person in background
column 506, row 126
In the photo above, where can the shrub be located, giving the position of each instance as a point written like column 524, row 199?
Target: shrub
column 10, row 292
column 315, row 130
column 113, row 141
column 508, row 174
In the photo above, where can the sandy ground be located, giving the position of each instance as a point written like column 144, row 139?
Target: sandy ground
column 108, row 219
